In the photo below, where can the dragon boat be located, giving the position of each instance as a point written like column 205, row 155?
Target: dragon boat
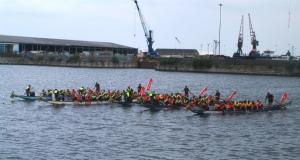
column 30, row 98
column 204, row 110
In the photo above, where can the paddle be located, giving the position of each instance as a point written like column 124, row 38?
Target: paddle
column 192, row 94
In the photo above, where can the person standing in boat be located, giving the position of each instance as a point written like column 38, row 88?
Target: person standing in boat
column 97, row 87
column 186, row 91
column 270, row 99
column 28, row 90
column 218, row 95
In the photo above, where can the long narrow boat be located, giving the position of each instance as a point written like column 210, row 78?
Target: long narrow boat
column 275, row 107
column 125, row 104
column 78, row 103
column 157, row 107
column 30, row 98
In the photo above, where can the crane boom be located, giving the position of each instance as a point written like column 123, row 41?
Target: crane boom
column 240, row 40
column 148, row 33
column 254, row 41
column 241, row 36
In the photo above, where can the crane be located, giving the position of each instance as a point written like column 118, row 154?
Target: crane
column 254, row 42
column 148, row 33
column 239, row 52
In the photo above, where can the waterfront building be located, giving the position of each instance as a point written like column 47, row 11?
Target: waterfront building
column 14, row 45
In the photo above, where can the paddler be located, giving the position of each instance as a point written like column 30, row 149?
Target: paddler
column 97, row 87
column 56, row 94
column 217, row 95
column 49, row 93
column 129, row 94
column 28, row 90
column 139, row 88
column 44, row 93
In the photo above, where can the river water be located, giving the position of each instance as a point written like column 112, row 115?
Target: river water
column 37, row 130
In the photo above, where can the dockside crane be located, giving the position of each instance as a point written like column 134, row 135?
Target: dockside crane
column 254, row 42
column 148, row 33
column 239, row 52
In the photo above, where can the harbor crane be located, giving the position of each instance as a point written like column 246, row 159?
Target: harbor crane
column 254, row 42
column 148, row 33
column 239, row 52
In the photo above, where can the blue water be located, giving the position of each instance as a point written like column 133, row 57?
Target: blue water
column 37, row 130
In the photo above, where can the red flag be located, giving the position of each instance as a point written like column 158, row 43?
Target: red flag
column 149, row 84
column 284, row 97
column 203, row 91
column 231, row 96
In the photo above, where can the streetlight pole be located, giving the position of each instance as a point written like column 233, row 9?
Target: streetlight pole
column 220, row 28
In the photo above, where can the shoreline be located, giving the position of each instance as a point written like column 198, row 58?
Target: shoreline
column 158, row 70
column 241, row 67
column 229, row 73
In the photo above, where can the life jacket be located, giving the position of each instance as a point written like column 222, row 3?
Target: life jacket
column 230, row 106
column 260, row 105
column 145, row 99
column 77, row 98
column 157, row 98
column 242, row 105
column 248, row 104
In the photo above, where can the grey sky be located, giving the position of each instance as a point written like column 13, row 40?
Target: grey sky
column 194, row 22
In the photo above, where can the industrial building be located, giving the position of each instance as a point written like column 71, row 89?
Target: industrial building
column 10, row 45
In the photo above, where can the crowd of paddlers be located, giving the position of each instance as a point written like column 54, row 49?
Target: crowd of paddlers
column 145, row 96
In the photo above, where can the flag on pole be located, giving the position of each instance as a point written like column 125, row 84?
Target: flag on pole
column 284, row 97
column 231, row 96
column 203, row 91
column 149, row 84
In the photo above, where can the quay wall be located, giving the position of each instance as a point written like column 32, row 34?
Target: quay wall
column 231, row 66
column 105, row 63
column 199, row 64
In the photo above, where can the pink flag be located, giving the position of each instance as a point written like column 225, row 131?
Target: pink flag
column 284, row 97
column 149, row 84
column 203, row 91
column 231, row 96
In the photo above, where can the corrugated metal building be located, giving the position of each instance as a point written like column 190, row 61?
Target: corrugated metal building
column 178, row 53
column 17, row 44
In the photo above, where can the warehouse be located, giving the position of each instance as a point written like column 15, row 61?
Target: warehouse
column 10, row 45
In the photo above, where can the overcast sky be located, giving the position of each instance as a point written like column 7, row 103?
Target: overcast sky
column 194, row 22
